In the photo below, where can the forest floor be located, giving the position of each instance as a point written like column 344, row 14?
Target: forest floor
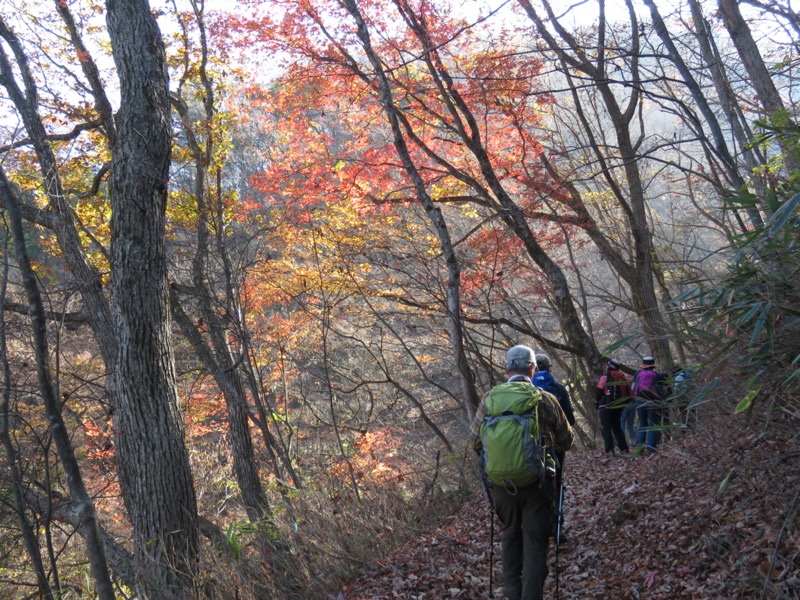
column 712, row 514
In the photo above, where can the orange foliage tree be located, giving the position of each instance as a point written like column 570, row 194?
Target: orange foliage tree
column 463, row 102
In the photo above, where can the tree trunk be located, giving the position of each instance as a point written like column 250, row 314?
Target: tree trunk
column 220, row 365
column 153, row 463
column 154, row 471
column 639, row 275
column 759, row 74
column 216, row 355
column 17, row 501
column 62, row 224
column 719, row 145
column 83, row 503
column 727, row 100
column 454, row 322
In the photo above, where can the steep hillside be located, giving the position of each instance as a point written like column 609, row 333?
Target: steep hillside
column 711, row 515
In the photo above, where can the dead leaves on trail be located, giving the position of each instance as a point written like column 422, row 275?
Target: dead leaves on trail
column 655, row 527
column 450, row 562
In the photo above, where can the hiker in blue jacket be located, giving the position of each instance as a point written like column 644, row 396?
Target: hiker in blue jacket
column 681, row 383
column 543, row 379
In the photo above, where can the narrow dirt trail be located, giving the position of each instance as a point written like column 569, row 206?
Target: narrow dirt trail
column 712, row 514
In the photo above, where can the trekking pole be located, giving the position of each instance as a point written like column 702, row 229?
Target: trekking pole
column 558, row 524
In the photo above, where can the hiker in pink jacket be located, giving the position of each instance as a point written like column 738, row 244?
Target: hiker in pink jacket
column 650, row 391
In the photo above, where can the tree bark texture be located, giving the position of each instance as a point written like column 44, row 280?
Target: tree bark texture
column 153, row 463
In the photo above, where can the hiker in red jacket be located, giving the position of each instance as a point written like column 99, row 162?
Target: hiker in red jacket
column 613, row 393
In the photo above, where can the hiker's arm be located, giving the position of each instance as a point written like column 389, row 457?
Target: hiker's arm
column 566, row 405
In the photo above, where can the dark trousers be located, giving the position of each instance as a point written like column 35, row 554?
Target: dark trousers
column 527, row 518
column 610, row 421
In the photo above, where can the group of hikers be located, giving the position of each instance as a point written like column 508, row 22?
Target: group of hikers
column 523, row 428
column 619, row 400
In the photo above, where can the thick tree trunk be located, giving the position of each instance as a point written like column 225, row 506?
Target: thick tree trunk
column 153, row 463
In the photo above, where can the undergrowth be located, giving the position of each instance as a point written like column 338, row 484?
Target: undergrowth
column 325, row 535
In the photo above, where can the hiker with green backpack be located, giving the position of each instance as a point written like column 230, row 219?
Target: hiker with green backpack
column 514, row 427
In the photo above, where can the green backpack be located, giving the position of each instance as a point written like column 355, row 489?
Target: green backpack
column 512, row 456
